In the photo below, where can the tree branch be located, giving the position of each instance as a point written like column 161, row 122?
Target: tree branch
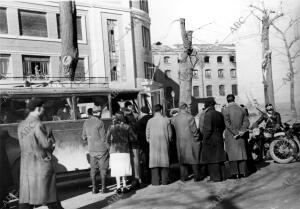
column 297, row 38
column 257, row 8
column 291, row 23
column 276, row 17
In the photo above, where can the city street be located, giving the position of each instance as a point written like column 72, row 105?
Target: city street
column 273, row 186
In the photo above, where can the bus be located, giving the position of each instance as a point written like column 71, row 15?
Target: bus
column 65, row 112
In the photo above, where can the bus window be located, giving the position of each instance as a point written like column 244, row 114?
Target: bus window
column 98, row 103
column 57, row 109
column 13, row 110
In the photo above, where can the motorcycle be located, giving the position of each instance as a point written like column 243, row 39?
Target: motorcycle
column 285, row 147
column 282, row 146
column 260, row 143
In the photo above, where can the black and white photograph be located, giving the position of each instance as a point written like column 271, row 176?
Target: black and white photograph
column 153, row 104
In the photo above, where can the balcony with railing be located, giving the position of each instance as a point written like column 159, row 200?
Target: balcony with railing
column 50, row 81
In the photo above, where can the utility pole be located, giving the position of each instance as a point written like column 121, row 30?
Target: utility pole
column 266, row 53
column 185, row 66
column 69, row 45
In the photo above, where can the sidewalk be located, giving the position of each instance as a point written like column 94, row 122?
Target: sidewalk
column 274, row 186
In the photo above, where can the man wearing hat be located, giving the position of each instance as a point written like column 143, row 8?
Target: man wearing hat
column 212, row 153
column 37, row 174
column 237, row 123
column 140, row 128
column 188, row 142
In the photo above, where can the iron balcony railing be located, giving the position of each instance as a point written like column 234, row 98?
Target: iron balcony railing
column 45, row 80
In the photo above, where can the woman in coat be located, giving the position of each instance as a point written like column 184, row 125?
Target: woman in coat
column 213, row 153
column 119, row 136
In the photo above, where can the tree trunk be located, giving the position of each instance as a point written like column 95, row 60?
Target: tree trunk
column 185, row 67
column 69, row 53
column 267, row 70
column 291, row 76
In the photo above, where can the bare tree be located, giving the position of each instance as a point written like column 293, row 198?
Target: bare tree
column 267, row 20
column 291, row 56
column 188, row 59
column 69, row 53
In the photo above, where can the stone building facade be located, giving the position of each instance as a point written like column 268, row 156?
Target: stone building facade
column 214, row 76
column 113, row 41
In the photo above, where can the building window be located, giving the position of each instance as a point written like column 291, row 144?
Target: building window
column 168, row 73
column 36, row 67
column 80, row 70
column 4, row 64
column 114, row 49
column 222, row 90
column 144, row 5
column 146, row 37
column 234, row 89
column 149, row 70
column 233, row 73
column 206, row 59
column 219, row 59
column 166, row 60
column 232, row 59
column 220, row 73
column 195, row 74
column 209, row 91
column 33, row 23
column 196, row 91
column 3, row 21
column 78, row 27
column 208, row 74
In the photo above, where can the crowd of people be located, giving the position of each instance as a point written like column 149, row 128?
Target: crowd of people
column 139, row 147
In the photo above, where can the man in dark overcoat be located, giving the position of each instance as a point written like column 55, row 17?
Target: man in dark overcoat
column 37, row 172
column 188, row 142
column 237, row 123
column 5, row 174
column 140, row 128
column 213, row 153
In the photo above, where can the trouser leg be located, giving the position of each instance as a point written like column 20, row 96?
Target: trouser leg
column 164, row 176
column 242, row 166
column 93, row 173
column 196, row 173
column 234, row 167
column 183, row 172
column 137, row 167
column 103, row 180
column 25, row 206
column 214, row 170
column 155, row 176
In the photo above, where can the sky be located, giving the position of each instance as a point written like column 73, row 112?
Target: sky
column 216, row 18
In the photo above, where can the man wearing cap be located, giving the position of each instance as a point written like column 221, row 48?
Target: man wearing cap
column 93, row 132
column 237, row 123
column 37, row 174
column 140, row 128
column 188, row 142
column 213, row 154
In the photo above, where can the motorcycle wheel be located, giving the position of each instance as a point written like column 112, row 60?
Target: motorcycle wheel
column 281, row 150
